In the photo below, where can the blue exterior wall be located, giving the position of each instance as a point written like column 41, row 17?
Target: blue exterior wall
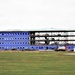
column 19, row 40
column 14, row 40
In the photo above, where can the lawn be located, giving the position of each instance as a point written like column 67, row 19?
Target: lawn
column 36, row 63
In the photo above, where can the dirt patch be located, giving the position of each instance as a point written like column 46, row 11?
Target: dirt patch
column 69, row 54
column 18, row 51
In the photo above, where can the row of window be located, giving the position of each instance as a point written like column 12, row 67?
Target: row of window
column 22, row 48
column 18, row 47
column 14, row 42
column 13, row 38
column 38, row 47
column 14, row 33
column 12, row 47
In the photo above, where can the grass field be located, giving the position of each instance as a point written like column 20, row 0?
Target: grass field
column 36, row 63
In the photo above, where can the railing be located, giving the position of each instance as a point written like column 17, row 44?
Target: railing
column 55, row 40
column 52, row 35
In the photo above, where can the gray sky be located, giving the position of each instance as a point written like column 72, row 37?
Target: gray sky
column 36, row 14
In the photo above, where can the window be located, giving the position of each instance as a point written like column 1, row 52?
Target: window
column 20, row 47
column 17, row 33
column 36, row 47
column 40, row 47
column 28, row 33
column 20, row 42
column 2, row 38
column 2, row 33
column 23, row 33
column 20, row 33
column 25, row 38
column 2, row 42
column 7, row 47
column 12, row 33
column 7, row 38
column 26, row 43
column 2, row 47
column 20, row 38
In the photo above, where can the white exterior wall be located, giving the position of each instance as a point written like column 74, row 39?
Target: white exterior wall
column 56, row 38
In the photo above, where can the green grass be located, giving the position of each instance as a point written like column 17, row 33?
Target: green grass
column 39, row 63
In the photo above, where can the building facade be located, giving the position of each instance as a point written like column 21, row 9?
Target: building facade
column 37, row 40
column 14, row 40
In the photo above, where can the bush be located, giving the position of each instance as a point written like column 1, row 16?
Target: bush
column 14, row 49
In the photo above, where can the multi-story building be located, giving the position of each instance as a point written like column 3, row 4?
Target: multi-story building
column 36, row 40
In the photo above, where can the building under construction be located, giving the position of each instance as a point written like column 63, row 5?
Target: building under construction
column 37, row 40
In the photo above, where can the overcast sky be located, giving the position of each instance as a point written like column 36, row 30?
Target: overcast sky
column 37, row 14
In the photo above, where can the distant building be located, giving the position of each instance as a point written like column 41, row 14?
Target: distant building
column 37, row 40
